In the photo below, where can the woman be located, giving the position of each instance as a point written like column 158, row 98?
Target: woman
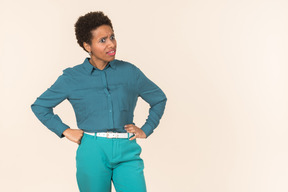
column 103, row 92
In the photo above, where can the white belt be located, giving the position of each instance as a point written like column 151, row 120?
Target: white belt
column 111, row 134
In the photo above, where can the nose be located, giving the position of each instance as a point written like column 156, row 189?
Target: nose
column 112, row 43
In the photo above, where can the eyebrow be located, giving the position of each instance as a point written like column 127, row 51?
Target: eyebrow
column 106, row 36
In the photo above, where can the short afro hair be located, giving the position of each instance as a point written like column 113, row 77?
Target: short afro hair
column 85, row 24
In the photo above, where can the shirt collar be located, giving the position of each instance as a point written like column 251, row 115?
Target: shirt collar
column 90, row 68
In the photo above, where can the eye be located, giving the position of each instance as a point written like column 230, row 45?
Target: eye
column 102, row 40
column 112, row 37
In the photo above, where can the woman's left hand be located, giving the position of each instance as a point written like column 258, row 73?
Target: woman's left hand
column 138, row 133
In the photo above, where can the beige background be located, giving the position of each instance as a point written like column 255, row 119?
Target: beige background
column 222, row 65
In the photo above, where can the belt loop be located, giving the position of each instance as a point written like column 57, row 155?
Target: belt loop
column 95, row 136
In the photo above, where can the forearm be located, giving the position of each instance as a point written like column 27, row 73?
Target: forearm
column 155, row 114
column 49, row 119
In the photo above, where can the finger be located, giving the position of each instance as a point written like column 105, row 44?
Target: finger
column 80, row 140
column 132, row 138
column 129, row 125
column 130, row 129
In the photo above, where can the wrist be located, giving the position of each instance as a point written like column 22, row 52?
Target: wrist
column 66, row 130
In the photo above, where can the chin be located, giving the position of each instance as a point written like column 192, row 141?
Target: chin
column 111, row 59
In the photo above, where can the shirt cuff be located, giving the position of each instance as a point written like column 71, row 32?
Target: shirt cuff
column 61, row 129
column 148, row 129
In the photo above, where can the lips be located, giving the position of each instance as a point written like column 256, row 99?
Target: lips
column 112, row 52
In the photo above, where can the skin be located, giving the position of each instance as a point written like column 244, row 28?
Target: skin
column 103, row 41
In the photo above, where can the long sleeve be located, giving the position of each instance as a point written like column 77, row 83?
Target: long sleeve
column 156, row 98
column 44, row 104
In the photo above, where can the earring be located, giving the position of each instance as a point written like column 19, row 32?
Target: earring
column 89, row 53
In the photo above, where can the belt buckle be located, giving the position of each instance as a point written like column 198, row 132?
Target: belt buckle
column 108, row 135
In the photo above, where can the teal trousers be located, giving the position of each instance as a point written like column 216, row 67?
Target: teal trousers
column 101, row 160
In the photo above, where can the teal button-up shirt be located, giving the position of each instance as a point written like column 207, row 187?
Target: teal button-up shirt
column 103, row 100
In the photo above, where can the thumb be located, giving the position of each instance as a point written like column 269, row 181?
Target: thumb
column 134, row 137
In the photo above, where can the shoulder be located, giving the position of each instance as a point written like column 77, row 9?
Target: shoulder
column 71, row 72
column 122, row 64
column 66, row 80
column 66, row 76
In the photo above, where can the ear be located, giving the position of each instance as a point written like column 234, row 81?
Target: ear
column 87, row 46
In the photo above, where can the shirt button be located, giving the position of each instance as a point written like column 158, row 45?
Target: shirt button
column 110, row 110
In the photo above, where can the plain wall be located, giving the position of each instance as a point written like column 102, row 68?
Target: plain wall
column 222, row 65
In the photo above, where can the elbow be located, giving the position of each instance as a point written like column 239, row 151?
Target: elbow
column 32, row 107
column 165, row 101
column 162, row 101
column 38, row 109
column 164, row 97
column 35, row 109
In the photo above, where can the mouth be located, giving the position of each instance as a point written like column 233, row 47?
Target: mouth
column 112, row 52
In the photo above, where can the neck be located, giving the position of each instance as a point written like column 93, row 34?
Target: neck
column 98, row 64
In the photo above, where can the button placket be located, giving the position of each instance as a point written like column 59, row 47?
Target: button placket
column 110, row 106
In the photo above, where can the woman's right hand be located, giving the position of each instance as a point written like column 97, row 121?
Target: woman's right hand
column 74, row 135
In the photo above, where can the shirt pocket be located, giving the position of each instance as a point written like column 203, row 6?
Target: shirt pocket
column 122, row 96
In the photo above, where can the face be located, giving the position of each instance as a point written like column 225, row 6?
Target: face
column 103, row 47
